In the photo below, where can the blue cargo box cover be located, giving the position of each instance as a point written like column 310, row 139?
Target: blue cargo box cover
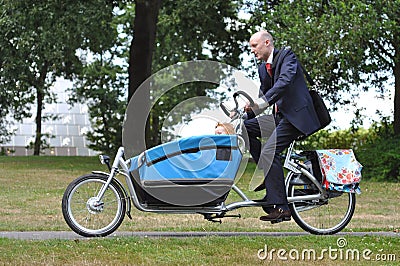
column 198, row 157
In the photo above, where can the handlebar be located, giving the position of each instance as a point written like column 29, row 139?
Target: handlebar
column 236, row 94
column 236, row 109
column 225, row 109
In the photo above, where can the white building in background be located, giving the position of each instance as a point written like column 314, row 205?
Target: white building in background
column 68, row 130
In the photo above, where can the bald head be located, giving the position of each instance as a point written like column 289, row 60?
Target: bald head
column 263, row 35
column 261, row 44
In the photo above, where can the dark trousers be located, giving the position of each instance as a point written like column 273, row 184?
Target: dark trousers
column 268, row 156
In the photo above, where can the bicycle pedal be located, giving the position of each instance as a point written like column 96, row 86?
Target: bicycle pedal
column 286, row 219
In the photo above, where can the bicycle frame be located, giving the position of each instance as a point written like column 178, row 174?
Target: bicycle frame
column 291, row 164
column 120, row 166
column 304, row 190
column 297, row 168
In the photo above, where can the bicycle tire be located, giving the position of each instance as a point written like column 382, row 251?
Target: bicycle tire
column 321, row 217
column 86, row 218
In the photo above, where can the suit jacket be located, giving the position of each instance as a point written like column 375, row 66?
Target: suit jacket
column 287, row 88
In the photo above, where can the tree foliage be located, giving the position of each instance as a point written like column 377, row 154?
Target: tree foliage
column 212, row 30
column 347, row 46
column 340, row 139
column 101, row 86
column 381, row 156
column 39, row 44
column 343, row 44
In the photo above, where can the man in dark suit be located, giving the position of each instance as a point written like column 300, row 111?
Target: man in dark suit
column 282, row 87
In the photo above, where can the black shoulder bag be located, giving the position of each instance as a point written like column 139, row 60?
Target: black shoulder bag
column 320, row 108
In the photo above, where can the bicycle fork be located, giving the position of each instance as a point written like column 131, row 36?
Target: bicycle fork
column 113, row 173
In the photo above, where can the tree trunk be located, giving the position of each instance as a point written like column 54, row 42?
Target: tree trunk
column 38, row 120
column 142, row 45
column 39, row 100
column 140, row 59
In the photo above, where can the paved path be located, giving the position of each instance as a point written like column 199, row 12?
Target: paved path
column 43, row 235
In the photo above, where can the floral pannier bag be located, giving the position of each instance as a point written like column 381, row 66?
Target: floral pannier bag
column 341, row 170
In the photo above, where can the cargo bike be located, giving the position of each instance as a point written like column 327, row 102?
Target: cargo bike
column 194, row 175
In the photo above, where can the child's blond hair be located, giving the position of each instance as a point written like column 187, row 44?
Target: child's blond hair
column 227, row 126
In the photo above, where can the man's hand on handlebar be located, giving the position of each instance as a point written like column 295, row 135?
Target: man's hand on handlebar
column 248, row 108
column 233, row 114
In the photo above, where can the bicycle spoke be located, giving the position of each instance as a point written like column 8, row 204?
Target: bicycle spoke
column 85, row 214
column 326, row 216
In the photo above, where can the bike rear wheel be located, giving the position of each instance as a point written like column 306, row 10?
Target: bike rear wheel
column 321, row 217
column 88, row 216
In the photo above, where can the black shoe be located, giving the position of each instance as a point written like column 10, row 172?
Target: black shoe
column 277, row 215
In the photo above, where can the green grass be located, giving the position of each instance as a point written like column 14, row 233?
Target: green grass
column 32, row 187
column 200, row 251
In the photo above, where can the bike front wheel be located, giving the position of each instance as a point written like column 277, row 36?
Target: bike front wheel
column 88, row 216
column 323, row 216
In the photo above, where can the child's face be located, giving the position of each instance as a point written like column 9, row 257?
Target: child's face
column 220, row 130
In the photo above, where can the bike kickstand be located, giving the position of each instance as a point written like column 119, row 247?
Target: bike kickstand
column 213, row 218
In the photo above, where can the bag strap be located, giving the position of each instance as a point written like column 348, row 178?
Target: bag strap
column 309, row 79
column 277, row 56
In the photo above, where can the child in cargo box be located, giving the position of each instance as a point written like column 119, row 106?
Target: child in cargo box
column 224, row 128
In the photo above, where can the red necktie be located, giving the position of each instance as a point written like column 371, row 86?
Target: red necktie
column 269, row 69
